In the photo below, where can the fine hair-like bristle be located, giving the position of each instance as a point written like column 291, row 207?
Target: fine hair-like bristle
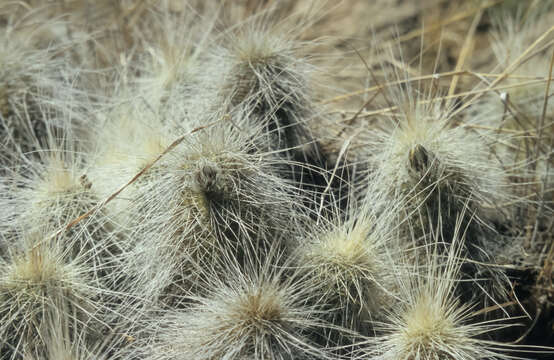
column 429, row 321
column 36, row 284
column 189, row 179
column 349, row 262
column 441, row 176
column 256, row 312
column 30, row 73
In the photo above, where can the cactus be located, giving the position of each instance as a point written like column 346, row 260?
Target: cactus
column 238, row 180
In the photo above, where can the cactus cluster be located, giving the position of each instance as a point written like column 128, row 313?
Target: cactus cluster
column 205, row 180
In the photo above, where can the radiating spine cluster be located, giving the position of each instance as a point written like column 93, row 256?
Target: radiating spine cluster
column 169, row 190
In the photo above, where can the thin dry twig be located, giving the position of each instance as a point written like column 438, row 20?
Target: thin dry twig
column 466, row 51
column 100, row 205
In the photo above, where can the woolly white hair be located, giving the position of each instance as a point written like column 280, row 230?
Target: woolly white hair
column 65, row 342
column 213, row 189
column 211, row 194
column 438, row 169
column 174, row 44
column 50, row 193
column 128, row 137
column 59, row 270
column 37, row 283
column 350, row 263
column 425, row 149
column 53, row 249
column 265, row 78
column 264, row 75
column 429, row 321
column 260, row 311
column 28, row 71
